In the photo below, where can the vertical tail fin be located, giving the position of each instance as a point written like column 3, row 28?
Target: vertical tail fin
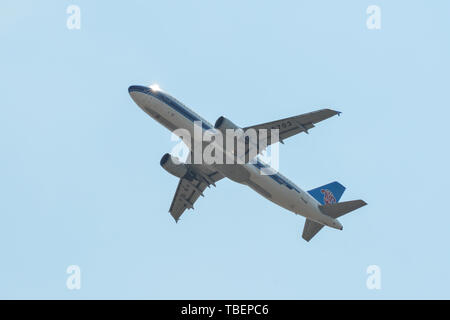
column 329, row 193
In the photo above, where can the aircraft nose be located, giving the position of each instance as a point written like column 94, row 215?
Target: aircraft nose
column 139, row 95
column 135, row 88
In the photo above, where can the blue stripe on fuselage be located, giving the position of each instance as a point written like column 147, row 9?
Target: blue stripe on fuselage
column 175, row 105
column 279, row 179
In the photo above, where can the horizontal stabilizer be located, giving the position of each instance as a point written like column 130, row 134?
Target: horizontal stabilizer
column 336, row 210
column 310, row 229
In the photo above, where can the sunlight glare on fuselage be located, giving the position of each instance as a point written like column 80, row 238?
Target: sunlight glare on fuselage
column 155, row 87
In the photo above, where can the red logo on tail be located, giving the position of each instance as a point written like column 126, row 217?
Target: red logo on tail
column 328, row 196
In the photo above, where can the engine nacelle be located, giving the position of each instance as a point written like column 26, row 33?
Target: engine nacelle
column 223, row 123
column 173, row 166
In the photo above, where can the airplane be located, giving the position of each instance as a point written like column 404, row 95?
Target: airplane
column 320, row 206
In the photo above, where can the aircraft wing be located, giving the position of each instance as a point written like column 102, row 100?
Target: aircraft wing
column 191, row 187
column 294, row 125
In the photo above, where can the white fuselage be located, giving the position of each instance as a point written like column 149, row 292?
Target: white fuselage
column 174, row 115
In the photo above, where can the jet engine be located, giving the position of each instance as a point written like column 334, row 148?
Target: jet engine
column 223, row 123
column 173, row 165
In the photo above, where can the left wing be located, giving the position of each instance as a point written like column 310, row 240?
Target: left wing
column 293, row 125
column 191, row 187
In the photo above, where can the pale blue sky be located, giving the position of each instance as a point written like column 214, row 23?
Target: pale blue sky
column 80, row 181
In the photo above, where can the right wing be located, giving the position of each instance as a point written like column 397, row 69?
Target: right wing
column 293, row 125
column 191, row 187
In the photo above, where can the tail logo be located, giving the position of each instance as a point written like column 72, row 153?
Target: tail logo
column 328, row 196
